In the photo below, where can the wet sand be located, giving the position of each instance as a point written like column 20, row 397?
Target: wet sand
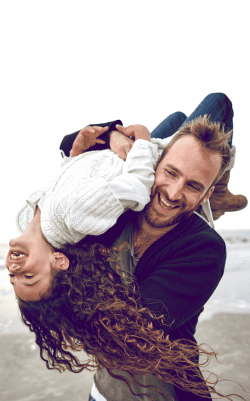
column 24, row 376
column 229, row 335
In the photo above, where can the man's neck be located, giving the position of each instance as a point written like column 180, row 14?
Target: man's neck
column 145, row 235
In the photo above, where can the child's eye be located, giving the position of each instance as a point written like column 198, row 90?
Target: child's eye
column 11, row 275
column 28, row 276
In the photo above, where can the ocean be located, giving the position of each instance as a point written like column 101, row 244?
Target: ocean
column 232, row 294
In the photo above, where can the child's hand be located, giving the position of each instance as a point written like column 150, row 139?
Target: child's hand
column 120, row 144
column 137, row 131
column 86, row 138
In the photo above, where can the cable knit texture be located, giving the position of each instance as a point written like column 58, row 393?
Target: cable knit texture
column 83, row 198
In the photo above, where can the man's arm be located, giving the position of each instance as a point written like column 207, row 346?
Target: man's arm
column 120, row 142
column 86, row 139
column 67, row 142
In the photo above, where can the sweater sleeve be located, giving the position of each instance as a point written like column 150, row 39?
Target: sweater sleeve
column 90, row 209
column 93, row 190
column 184, row 279
column 96, row 208
column 133, row 186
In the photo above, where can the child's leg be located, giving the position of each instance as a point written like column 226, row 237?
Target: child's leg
column 169, row 126
column 219, row 107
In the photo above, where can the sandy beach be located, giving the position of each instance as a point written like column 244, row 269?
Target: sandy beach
column 24, row 376
column 224, row 325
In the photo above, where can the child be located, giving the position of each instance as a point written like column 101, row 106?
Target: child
column 85, row 197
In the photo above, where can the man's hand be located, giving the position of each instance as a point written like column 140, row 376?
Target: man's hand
column 86, row 138
column 120, row 144
column 137, row 131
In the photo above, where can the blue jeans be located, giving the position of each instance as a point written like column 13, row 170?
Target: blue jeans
column 217, row 105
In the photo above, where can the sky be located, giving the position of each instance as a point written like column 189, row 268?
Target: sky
column 67, row 64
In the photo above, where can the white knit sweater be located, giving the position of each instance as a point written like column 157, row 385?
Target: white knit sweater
column 91, row 191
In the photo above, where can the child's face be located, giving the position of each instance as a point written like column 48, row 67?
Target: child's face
column 30, row 261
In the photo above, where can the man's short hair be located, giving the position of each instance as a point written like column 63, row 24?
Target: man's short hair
column 212, row 137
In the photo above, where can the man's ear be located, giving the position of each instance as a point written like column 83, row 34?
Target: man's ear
column 211, row 190
column 60, row 261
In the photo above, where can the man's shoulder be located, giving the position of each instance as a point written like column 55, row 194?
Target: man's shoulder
column 192, row 239
column 197, row 236
column 197, row 228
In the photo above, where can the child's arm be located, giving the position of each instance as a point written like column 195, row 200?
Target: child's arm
column 108, row 187
column 133, row 186
column 94, row 207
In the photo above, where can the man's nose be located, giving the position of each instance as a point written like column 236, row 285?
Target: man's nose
column 175, row 191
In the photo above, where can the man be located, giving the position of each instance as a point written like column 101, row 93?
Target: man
column 175, row 256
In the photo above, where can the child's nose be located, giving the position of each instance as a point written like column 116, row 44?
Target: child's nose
column 13, row 268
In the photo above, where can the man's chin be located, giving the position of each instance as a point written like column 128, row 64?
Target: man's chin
column 157, row 220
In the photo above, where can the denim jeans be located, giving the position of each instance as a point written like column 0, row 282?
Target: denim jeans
column 217, row 105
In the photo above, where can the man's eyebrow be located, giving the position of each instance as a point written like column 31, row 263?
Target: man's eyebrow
column 191, row 181
column 174, row 168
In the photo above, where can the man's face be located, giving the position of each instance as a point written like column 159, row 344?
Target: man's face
column 182, row 182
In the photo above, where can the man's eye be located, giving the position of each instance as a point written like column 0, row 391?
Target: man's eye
column 170, row 172
column 194, row 187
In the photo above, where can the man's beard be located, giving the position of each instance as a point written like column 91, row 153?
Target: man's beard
column 155, row 219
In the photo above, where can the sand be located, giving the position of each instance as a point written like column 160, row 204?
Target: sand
column 24, row 376
column 229, row 335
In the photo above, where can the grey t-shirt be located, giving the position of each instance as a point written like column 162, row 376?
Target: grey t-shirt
column 127, row 259
column 116, row 390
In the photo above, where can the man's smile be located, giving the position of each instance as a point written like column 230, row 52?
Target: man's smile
column 164, row 203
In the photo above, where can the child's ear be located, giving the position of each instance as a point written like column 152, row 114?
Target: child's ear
column 60, row 261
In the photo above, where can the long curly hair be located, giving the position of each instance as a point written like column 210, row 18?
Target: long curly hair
column 96, row 307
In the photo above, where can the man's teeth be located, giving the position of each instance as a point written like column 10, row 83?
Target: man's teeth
column 166, row 203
